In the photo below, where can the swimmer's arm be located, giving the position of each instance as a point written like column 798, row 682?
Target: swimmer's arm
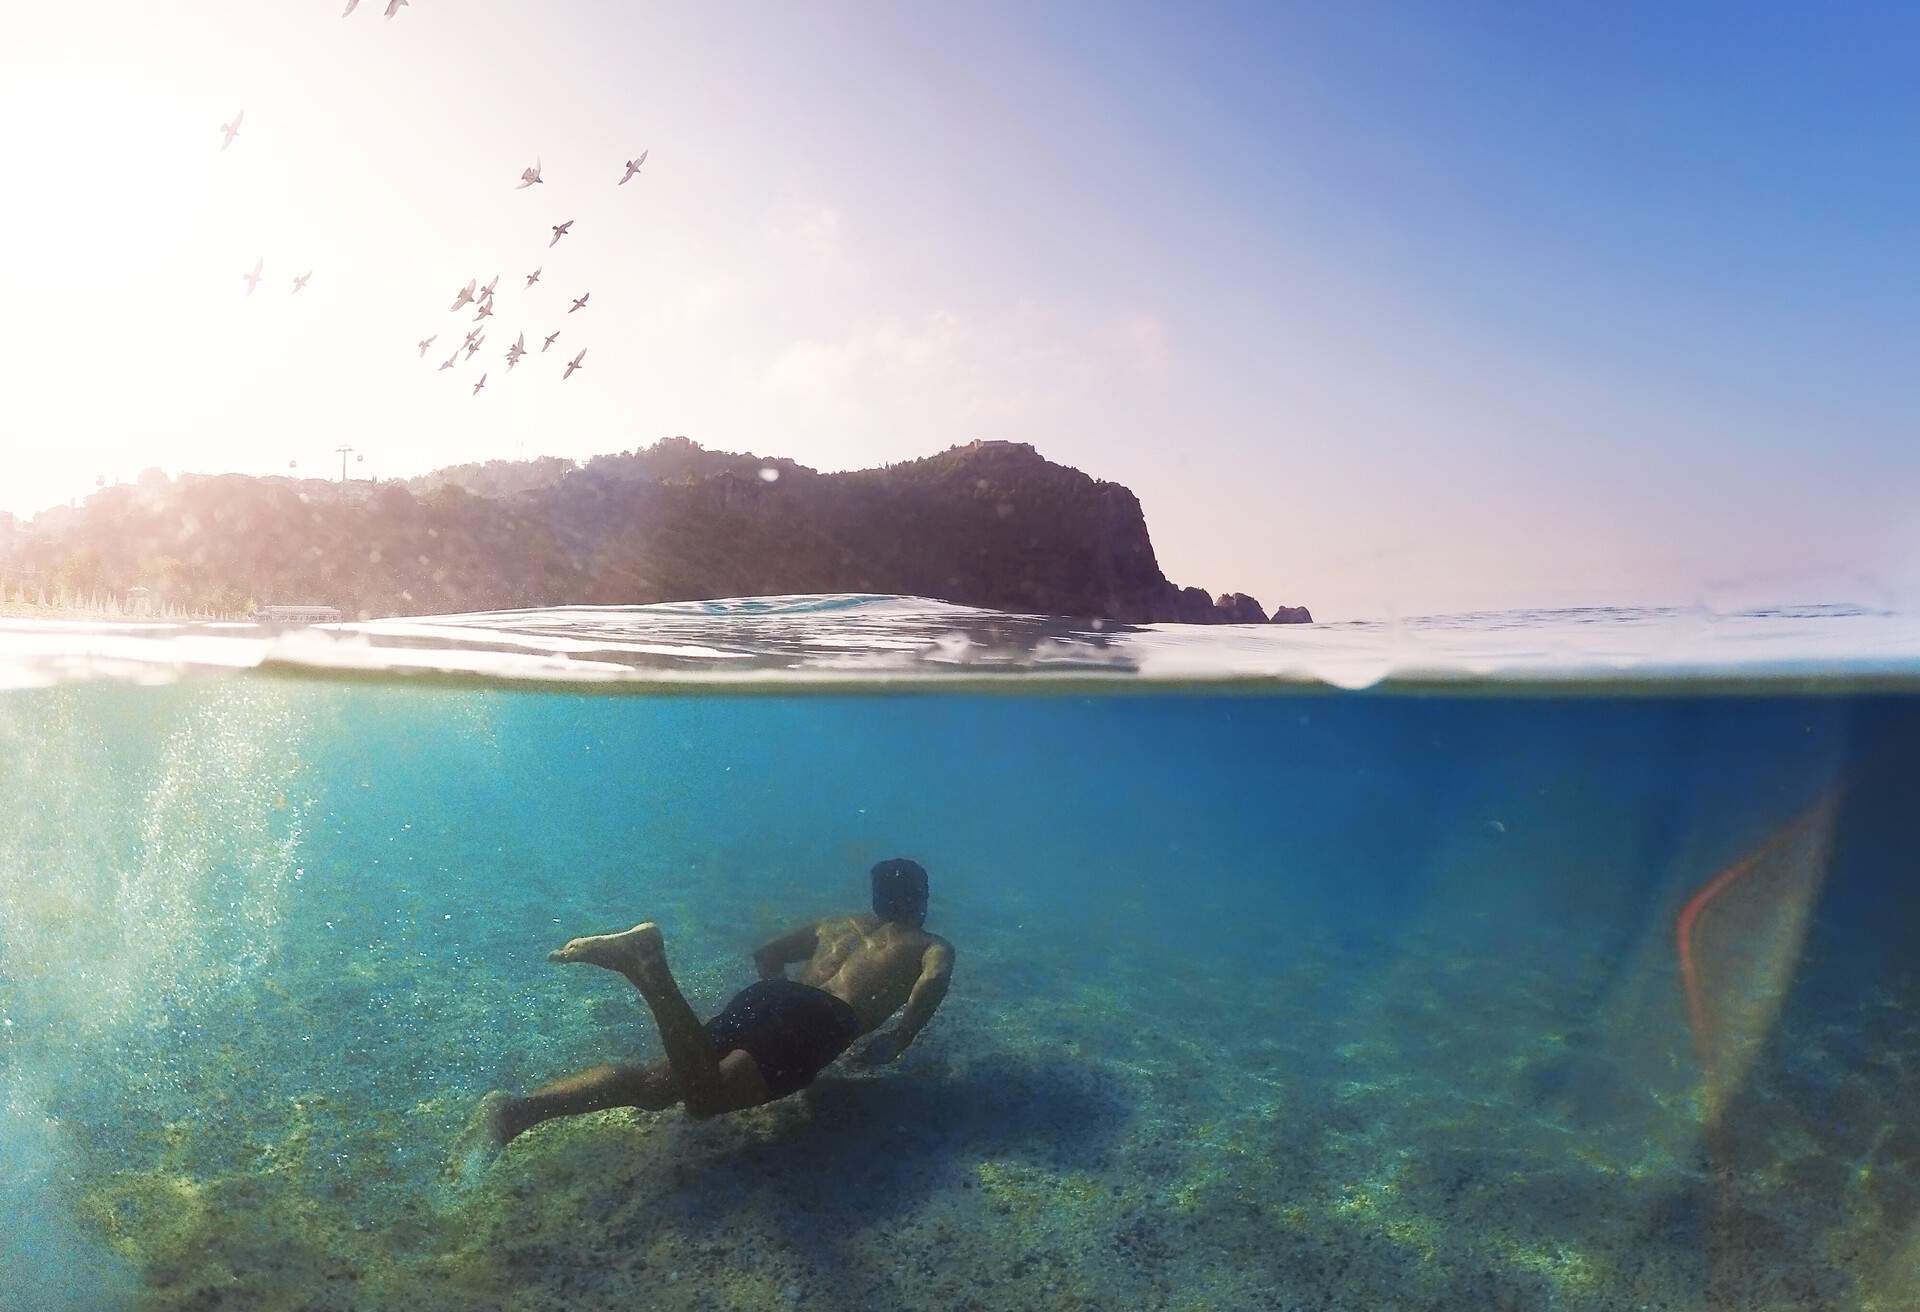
column 936, row 973
column 796, row 945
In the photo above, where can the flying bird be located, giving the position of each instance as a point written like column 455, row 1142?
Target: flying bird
column 582, row 301
column 474, row 346
column 514, row 352
column 425, row 342
column 466, row 294
column 486, row 309
column 487, row 291
column 300, row 283
column 394, row 7
column 559, row 231
column 574, row 364
column 351, row 6
column 534, row 277
column 549, row 342
column 253, row 279
column 473, row 333
column 483, row 378
column 232, row 129
column 633, row 167
column 529, row 176
column 451, row 360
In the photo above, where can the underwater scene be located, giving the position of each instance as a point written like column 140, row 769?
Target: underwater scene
column 1263, row 995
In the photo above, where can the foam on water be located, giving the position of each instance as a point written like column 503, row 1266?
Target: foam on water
column 789, row 643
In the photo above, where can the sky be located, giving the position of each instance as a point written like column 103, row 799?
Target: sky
column 1382, row 309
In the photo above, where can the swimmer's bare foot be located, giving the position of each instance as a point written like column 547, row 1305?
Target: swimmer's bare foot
column 635, row 951
column 477, row 1145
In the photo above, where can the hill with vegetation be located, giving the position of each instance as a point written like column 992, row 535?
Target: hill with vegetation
column 989, row 524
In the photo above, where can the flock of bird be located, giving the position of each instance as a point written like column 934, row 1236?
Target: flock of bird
column 252, row 280
column 481, row 298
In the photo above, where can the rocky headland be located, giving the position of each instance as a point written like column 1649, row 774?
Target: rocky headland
column 990, row 524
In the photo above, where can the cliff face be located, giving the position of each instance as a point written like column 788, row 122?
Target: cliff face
column 991, row 524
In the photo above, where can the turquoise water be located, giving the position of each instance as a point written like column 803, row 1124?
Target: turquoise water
column 1268, row 995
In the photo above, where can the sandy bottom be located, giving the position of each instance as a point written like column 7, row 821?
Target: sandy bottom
column 1345, row 1126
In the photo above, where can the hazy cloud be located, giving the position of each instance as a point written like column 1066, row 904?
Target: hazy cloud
column 808, row 230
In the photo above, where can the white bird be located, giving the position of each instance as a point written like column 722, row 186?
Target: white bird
column 574, row 364
column 549, row 342
column 485, row 310
column 474, row 346
column 425, row 342
column 518, row 349
column 451, row 360
column 529, row 176
column 394, row 7
column 300, row 283
column 559, row 231
column 483, row 378
column 534, row 277
column 253, row 279
column 487, row 291
column 351, row 6
column 582, row 301
column 466, row 294
column 633, row 167
column 473, row 333
column 232, row 129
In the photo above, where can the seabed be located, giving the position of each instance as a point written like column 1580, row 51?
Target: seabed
column 1439, row 1139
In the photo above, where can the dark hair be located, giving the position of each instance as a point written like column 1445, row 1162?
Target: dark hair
column 900, row 891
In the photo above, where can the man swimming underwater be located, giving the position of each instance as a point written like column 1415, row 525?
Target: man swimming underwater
column 776, row 1034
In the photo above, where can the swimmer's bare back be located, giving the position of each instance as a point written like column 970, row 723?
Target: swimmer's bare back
column 874, row 966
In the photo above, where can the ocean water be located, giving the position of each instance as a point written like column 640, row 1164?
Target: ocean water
column 1544, row 961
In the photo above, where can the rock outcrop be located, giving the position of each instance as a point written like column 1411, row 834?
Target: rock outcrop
column 1239, row 608
column 1189, row 606
column 990, row 524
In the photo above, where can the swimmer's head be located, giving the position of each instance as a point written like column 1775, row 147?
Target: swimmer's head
column 900, row 892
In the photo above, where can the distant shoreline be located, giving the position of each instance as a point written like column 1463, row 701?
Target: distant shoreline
column 26, row 610
column 991, row 524
column 18, row 611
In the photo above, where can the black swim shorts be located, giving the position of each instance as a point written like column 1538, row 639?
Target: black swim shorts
column 792, row 1031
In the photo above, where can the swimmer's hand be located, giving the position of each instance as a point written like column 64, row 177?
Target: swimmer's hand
column 881, row 1049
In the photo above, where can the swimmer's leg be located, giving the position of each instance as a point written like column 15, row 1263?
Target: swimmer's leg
column 707, row 1084
column 650, row 1088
